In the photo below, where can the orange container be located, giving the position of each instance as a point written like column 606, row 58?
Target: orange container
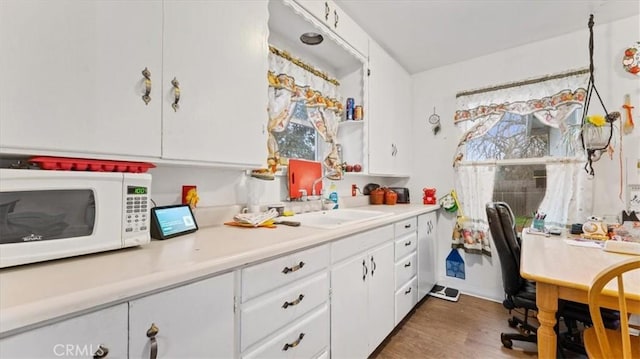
column 376, row 196
column 390, row 197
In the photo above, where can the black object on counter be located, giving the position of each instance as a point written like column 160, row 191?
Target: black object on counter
column 369, row 187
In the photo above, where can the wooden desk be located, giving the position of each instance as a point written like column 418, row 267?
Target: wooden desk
column 564, row 271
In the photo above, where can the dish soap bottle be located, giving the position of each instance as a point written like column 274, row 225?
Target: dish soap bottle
column 333, row 195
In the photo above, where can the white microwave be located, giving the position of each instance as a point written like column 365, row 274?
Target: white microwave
column 47, row 215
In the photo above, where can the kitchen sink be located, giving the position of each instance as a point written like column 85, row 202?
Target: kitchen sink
column 337, row 218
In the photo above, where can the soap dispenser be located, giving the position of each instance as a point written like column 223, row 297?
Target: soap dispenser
column 333, row 195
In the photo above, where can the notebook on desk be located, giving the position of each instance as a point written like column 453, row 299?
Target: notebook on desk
column 622, row 247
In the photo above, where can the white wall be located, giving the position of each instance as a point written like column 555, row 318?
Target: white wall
column 437, row 88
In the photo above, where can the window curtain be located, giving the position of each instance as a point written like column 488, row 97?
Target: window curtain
column 568, row 198
column 291, row 84
column 551, row 99
column 474, row 188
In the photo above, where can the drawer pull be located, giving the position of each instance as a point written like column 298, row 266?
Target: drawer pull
column 326, row 11
column 408, row 264
column 407, row 226
column 373, row 265
column 294, row 268
column 336, row 18
column 102, row 352
column 407, row 244
column 151, row 334
column 407, row 291
column 295, row 302
column 147, row 86
column 294, row 344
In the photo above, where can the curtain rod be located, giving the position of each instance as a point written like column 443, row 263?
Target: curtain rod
column 524, row 82
column 285, row 55
column 523, row 161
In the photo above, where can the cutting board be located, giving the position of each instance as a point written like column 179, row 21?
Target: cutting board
column 302, row 173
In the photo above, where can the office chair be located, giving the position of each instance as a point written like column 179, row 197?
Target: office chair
column 602, row 342
column 521, row 293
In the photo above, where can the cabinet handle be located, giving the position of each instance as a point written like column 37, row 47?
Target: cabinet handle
column 176, row 94
column 294, row 268
column 327, row 11
column 407, row 226
column 407, row 291
column 147, row 86
column 102, row 352
column 294, row 344
column 374, row 265
column 151, row 334
column 336, row 18
column 408, row 264
column 295, row 302
column 365, row 270
column 407, row 244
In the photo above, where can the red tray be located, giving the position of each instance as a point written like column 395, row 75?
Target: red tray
column 83, row 164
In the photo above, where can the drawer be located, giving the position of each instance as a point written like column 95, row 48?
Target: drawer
column 406, row 244
column 261, row 278
column 406, row 268
column 263, row 315
column 406, row 299
column 306, row 338
column 406, row 226
column 360, row 242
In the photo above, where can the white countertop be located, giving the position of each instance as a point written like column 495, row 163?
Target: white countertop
column 41, row 292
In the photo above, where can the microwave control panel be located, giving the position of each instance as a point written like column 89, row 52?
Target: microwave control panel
column 136, row 215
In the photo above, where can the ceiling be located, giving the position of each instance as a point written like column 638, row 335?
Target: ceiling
column 425, row 34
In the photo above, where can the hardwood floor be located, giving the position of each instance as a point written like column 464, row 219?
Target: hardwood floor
column 469, row 328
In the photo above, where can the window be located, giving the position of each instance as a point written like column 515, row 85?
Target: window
column 523, row 136
column 299, row 139
column 522, row 187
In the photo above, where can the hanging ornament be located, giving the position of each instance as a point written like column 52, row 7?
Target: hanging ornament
column 434, row 120
column 594, row 149
column 631, row 59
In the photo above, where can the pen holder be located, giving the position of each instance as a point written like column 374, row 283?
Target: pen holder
column 538, row 224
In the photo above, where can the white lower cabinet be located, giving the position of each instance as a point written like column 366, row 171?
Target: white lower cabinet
column 427, row 239
column 362, row 296
column 406, row 267
column 284, row 309
column 192, row 321
column 88, row 335
column 306, row 338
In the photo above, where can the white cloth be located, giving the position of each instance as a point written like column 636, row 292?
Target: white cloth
column 568, row 196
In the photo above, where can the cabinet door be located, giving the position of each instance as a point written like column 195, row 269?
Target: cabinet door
column 72, row 78
column 193, row 321
column 427, row 239
column 81, row 336
column 390, row 115
column 339, row 22
column 217, row 52
column 349, row 313
column 381, row 294
column 381, row 115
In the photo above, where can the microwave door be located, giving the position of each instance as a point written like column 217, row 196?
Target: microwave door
column 46, row 215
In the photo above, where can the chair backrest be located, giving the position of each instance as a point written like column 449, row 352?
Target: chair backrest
column 509, row 227
column 595, row 294
column 509, row 263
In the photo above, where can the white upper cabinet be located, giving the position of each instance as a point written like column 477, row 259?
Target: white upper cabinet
column 390, row 144
column 71, row 76
column 339, row 22
column 217, row 52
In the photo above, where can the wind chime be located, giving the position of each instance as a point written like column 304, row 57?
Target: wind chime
column 594, row 150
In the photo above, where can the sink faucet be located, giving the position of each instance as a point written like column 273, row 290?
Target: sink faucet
column 303, row 194
column 315, row 182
